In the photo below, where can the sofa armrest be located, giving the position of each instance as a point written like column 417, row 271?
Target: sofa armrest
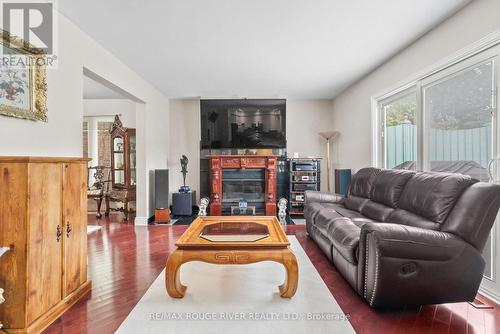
column 404, row 265
column 395, row 240
column 322, row 197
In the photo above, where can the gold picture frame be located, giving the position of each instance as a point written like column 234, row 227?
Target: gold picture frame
column 23, row 88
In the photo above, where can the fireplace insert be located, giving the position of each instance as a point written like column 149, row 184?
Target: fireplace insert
column 243, row 185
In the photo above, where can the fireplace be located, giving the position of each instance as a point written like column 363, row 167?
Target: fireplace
column 235, row 178
column 247, row 185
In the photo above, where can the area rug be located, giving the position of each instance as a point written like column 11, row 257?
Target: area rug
column 93, row 228
column 239, row 299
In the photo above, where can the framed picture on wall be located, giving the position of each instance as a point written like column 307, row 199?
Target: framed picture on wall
column 23, row 83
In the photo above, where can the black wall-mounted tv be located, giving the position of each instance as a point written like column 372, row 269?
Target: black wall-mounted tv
column 243, row 123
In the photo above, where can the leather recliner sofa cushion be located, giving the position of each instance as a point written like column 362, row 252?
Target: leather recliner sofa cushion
column 404, row 217
column 382, row 186
column 362, row 182
column 389, row 185
column 433, row 195
column 348, row 213
column 355, row 203
column 343, row 228
column 467, row 220
column 312, row 210
column 376, row 211
column 344, row 235
column 356, row 217
column 324, row 218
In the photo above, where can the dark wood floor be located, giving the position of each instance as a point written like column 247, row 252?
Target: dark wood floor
column 124, row 260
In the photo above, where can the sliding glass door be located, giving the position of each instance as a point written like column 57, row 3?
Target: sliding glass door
column 447, row 121
column 459, row 122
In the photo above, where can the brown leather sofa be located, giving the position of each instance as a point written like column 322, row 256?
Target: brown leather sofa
column 404, row 238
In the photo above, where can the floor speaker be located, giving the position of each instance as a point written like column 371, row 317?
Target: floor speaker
column 161, row 189
column 282, row 180
column 342, row 181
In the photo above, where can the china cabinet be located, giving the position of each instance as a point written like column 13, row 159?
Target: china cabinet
column 123, row 168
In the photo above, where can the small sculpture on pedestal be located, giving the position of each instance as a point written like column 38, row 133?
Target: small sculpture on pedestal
column 282, row 204
column 203, row 206
column 184, row 171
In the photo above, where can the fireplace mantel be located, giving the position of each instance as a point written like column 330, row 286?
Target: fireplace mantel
column 220, row 162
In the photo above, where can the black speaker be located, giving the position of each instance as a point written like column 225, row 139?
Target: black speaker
column 182, row 204
column 342, row 181
column 282, row 179
column 161, row 189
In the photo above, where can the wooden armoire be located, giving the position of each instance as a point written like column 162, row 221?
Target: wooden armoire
column 43, row 219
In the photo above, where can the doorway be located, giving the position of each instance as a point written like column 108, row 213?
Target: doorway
column 109, row 122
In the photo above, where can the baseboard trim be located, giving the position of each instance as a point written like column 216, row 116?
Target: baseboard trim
column 492, row 295
column 141, row 221
column 55, row 312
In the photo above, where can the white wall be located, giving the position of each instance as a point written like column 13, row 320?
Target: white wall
column 351, row 109
column 185, row 138
column 62, row 134
column 304, row 119
column 111, row 107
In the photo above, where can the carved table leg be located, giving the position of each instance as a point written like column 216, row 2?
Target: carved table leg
column 284, row 256
column 289, row 287
column 172, row 275
column 99, row 203
column 106, row 213
column 125, row 209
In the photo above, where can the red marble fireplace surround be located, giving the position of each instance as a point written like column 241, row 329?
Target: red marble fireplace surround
column 219, row 162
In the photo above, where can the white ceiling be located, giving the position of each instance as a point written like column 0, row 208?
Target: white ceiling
column 255, row 48
column 95, row 90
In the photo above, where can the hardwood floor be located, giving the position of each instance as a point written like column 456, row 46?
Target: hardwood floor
column 124, row 260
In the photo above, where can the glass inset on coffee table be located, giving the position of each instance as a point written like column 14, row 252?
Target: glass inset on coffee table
column 234, row 232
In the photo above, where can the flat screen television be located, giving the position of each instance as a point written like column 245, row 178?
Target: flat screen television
column 243, row 123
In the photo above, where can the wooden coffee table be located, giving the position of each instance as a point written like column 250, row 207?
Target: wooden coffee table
column 238, row 247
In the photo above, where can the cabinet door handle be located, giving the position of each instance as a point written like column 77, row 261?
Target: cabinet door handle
column 69, row 228
column 59, row 233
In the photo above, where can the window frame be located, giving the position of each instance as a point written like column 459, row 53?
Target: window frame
column 382, row 128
